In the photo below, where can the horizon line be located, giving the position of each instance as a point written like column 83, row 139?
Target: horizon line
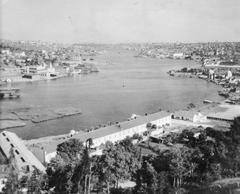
column 127, row 42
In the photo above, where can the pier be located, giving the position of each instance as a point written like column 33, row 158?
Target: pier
column 9, row 93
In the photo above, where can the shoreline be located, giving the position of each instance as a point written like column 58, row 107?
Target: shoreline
column 217, row 108
column 200, row 102
column 228, row 90
column 35, row 116
column 19, row 79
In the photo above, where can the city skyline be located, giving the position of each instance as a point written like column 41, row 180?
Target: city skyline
column 120, row 21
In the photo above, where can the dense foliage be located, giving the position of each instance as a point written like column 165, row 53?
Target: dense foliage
column 193, row 162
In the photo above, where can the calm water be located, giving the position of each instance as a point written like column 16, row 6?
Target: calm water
column 103, row 98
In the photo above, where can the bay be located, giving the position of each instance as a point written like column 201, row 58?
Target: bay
column 124, row 85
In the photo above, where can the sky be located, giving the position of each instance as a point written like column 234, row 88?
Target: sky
column 120, row 21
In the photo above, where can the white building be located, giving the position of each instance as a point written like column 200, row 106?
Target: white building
column 178, row 55
column 120, row 131
column 34, row 69
column 25, row 160
column 189, row 115
column 39, row 72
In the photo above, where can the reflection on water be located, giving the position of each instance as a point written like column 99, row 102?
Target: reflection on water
column 103, row 98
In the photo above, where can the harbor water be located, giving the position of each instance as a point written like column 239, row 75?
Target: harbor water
column 124, row 85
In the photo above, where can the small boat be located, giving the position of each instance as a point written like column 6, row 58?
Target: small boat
column 229, row 101
column 207, row 101
column 123, row 85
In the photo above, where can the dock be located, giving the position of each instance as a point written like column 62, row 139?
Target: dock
column 9, row 93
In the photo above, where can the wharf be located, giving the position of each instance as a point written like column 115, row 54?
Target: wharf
column 9, row 93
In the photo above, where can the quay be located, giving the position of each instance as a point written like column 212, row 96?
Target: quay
column 9, row 93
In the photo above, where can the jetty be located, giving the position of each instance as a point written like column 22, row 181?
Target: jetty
column 9, row 93
column 38, row 115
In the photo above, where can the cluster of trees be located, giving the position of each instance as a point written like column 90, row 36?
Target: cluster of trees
column 195, row 162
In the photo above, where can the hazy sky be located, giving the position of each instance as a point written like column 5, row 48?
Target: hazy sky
column 121, row 20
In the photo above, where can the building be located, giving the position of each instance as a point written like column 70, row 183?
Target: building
column 117, row 132
column 34, row 69
column 178, row 55
column 25, row 160
column 231, row 112
column 39, row 72
column 121, row 130
column 189, row 115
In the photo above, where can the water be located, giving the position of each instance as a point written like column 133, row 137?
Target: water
column 103, row 98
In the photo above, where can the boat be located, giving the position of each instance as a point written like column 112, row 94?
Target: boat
column 207, row 101
column 123, row 85
column 229, row 101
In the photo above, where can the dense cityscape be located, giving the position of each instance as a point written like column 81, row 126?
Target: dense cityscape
column 191, row 146
column 120, row 97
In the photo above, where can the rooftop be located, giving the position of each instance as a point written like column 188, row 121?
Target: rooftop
column 18, row 145
column 230, row 113
column 50, row 147
column 121, row 126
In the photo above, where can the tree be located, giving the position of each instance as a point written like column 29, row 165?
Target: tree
column 180, row 165
column 149, row 126
column 163, row 183
column 187, row 137
column 119, row 161
column 146, row 179
column 69, row 171
column 70, row 150
column 133, row 155
column 36, row 183
column 89, row 143
column 137, row 136
column 106, row 165
column 59, row 175
column 12, row 185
